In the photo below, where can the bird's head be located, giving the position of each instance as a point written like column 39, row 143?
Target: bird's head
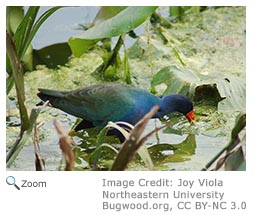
column 177, row 103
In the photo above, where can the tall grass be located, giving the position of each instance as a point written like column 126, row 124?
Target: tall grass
column 16, row 47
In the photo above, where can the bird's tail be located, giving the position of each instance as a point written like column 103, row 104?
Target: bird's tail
column 45, row 94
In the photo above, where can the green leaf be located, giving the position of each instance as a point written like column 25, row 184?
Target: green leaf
column 31, row 28
column 38, row 24
column 107, row 12
column 28, row 28
column 23, row 31
column 28, row 58
column 233, row 88
column 210, row 85
column 53, row 55
column 14, row 15
column 178, row 152
column 178, row 80
column 123, row 22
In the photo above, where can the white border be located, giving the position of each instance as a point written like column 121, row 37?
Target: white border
column 70, row 192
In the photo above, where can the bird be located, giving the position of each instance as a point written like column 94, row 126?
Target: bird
column 98, row 104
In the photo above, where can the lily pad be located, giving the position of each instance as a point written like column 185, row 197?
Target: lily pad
column 121, row 23
column 107, row 12
column 230, row 88
column 171, row 153
column 53, row 55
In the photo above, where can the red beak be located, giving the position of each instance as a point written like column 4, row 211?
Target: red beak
column 190, row 116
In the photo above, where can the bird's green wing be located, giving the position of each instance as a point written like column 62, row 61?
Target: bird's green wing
column 99, row 103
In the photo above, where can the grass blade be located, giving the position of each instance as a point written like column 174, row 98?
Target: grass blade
column 23, row 31
column 133, row 144
column 67, row 145
column 13, row 153
column 36, row 27
column 39, row 161
column 19, row 81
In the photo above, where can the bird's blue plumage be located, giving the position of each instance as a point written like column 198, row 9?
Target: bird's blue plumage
column 98, row 104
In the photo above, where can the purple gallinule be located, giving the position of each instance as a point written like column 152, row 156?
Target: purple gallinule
column 98, row 104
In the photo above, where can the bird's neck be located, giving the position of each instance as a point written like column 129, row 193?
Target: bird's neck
column 166, row 106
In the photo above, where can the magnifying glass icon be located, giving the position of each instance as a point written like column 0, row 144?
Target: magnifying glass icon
column 11, row 181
